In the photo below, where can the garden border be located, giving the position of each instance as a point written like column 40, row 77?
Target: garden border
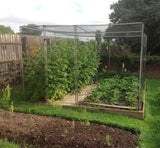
column 127, row 112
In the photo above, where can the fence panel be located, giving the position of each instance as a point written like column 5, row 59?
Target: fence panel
column 10, row 60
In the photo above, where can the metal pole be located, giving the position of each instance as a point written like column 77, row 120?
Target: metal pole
column 96, row 51
column 46, row 64
column 144, row 58
column 141, row 69
column 76, row 64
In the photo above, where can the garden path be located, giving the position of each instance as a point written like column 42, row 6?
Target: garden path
column 70, row 98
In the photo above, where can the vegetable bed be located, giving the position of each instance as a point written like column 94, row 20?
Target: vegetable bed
column 117, row 95
column 116, row 91
column 45, row 132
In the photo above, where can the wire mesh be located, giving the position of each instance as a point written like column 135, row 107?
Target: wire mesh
column 103, row 38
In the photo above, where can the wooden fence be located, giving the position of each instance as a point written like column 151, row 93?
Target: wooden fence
column 12, row 47
column 10, row 60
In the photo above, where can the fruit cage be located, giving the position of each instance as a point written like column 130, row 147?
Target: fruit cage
column 126, row 36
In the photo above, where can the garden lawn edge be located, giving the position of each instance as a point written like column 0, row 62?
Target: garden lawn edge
column 100, row 117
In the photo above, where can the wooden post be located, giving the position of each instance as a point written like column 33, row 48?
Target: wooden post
column 144, row 58
column 49, row 43
column 15, row 72
column 24, row 44
column 23, row 84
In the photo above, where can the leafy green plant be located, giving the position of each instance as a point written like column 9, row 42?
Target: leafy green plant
column 87, row 123
column 34, row 77
column 12, row 107
column 61, row 68
column 108, row 140
column 152, row 59
column 65, row 133
column 6, row 96
column 73, row 124
column 115, row 90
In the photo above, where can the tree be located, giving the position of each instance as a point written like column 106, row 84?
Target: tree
column 31, row 29
column 5, row 29
column 147, row 11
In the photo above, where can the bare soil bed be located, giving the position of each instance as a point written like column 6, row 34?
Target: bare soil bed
column 50, row 132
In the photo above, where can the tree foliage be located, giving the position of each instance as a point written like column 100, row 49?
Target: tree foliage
column 31, row 29
column 147, row 11
column 5, row 29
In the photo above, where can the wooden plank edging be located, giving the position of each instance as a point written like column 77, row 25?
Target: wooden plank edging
column 111, row 106
column 131, row 113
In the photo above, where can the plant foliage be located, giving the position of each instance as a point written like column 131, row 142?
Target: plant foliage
column 61, row 69
column 116, row 90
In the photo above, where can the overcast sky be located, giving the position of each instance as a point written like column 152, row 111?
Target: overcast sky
column 15, row 13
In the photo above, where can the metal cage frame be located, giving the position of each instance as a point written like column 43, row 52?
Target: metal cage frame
column 87, row 32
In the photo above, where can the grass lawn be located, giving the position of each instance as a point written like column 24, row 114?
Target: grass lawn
column 5, row 144
column 149, row 128
column 151, row 131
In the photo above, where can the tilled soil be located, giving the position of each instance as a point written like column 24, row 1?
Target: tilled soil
column 50, row 132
